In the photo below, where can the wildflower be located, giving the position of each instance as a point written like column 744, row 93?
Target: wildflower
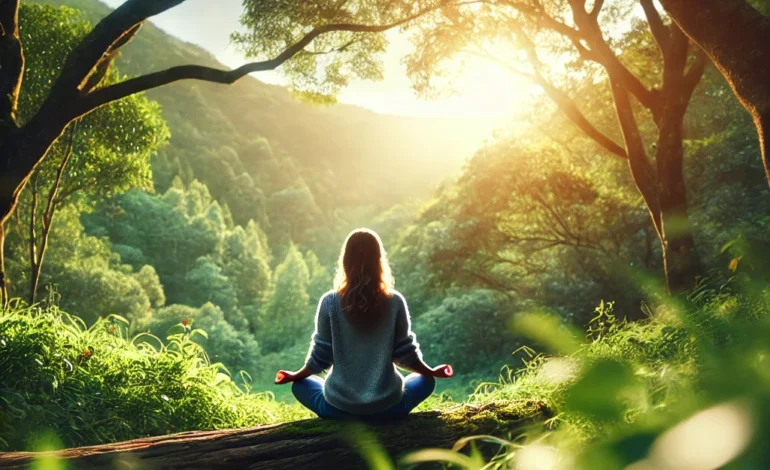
column 185, row 322
column 87, row 353
column 113, row 330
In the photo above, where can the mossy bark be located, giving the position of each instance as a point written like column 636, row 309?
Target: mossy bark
column 310, row 443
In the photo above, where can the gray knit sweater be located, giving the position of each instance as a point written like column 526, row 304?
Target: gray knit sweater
column 363, row 378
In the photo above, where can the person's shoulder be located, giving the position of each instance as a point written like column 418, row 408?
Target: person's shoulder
column 329, row 297
column 396, row 294
column 330, row 293
column 397, row 297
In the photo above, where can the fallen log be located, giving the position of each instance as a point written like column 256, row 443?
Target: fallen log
column 309, row 443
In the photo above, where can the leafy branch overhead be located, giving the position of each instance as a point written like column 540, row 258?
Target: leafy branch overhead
column 331, row 41
column 555, row 45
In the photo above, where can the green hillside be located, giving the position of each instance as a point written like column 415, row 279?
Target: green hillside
column 344, row 155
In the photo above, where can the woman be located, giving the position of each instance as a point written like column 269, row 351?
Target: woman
column 363, row 328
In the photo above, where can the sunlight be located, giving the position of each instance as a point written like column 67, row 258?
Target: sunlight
column 558, row 370
column 537, row 457
column 707, row 440
column 551, row 279
column 475, row 87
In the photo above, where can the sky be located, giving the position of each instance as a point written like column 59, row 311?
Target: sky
column 488, row 91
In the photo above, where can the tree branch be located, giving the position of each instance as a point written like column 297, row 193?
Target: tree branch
column 567, row 105
column 597, row 8
column 549, row 22
column 598, row 49
column 618, row 72
column 132, row 86
column 33, row 260
column 573, row 113
column 660, row 32
column 694, row 74
column 642, row 170
column 51, row 204
column 111, row 33
column 11, row 61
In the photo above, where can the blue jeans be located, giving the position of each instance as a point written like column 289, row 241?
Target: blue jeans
column 309, row 392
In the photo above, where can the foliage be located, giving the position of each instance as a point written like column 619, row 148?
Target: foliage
column 98, row 384
column 103, row 154
column 94, row 281
column 288, row 314
column 471, row 332
column 332, row 60
column 661, row 393
column 255, row 194
column 113, row 145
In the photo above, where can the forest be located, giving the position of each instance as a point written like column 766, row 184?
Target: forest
column 166, row 234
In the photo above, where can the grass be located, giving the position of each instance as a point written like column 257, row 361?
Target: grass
column 96, row 385
column 689, row 388
column 82, row 385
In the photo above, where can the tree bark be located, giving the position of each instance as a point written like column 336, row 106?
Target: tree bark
column 3, row 280
column 310, row 443
column 661, row 185
column 33, row 238
column 737, row 39
column 680, row 258
column 11, row 61
column 21, row 152
column 46, row 218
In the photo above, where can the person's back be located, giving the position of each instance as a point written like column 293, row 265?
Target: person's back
column 364, row 379
column 362, row 331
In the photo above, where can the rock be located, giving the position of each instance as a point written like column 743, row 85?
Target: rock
column 309, row 443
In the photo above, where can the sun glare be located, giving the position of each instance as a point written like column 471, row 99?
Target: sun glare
column 480, row 88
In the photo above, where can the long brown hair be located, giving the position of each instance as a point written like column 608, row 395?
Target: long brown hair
column 364, row 280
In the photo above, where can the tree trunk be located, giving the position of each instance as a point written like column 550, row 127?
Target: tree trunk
column 737, row 39
column 3, row 281
column 21, row 152
column 310, row 443
column 37, row 268
column 33, row 257
column 680, row 258
column 762, row 121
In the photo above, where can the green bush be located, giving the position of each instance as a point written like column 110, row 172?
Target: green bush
column 91, row 385
column 687, row 388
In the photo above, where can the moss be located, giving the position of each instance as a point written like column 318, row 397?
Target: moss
column 464, row 419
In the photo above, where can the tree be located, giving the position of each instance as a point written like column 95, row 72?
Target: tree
column 320, row 279
column 472, row 332
column 287, row 313
column 206, row 283
column 170, row 231
column 663, row 87
column 308, row 32
column 292, row 212
column 535, row 223
column 246, row 261
column 237, row 350
column 736, row 37
column 85, row 277
column 96, row 155
column 150, row 282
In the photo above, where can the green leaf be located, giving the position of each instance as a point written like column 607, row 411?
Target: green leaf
column 440, row 455
column 548, row 330
column 597, row 392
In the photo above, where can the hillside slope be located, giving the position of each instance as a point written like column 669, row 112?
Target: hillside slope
column 344, row 155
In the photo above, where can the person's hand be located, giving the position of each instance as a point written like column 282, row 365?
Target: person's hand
column 284, row 377
column 444, row 371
